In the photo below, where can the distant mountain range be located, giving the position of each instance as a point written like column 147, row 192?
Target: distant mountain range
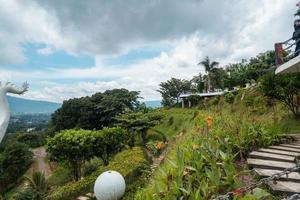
column 20, row 105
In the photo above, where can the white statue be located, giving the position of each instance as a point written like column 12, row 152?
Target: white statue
column 4, row 107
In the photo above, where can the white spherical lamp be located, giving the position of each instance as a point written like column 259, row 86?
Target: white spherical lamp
column 110, row 185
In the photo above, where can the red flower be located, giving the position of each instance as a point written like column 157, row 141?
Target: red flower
column 237, row 192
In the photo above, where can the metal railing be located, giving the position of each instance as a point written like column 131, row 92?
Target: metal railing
column 244, row 190
column 284, row 52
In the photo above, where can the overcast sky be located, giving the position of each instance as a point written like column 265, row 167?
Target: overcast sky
column 75, row 48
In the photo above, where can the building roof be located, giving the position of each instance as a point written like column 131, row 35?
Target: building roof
column 292, row 65
column 208, row 94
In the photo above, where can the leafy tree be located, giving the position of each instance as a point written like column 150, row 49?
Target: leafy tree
column 94, row 112
column 78, row 146
column 218, row 77
column 138, row 122
column 172, row 89
column 284, row 88
column 197, row 84
column 209, row 67
column 14, row 161
column 33, row 140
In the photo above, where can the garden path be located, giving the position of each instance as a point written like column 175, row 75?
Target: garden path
column 274, row 159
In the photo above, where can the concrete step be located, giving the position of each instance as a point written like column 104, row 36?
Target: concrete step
column 275, row 151
column 271, row 156
column 291, row 145
column 294, row 176
column 294, row 135
column 297, row 150
column 269, row 164
column 285, row 187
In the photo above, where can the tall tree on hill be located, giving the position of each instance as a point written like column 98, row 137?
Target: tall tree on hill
column 209, row 67
column 172, row 89
column 94, row 112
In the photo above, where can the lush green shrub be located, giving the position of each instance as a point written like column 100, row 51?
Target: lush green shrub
column 130, row 163
column 33, row 140
column 249, row 101
column 78, row 146
column 61, row 176
column 91, row 166
column 14, row 161
column 214, row 101
column 153, row 135
column 229, row 97
column 156, row 148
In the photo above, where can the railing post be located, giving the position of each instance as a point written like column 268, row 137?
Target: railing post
column 278, row 53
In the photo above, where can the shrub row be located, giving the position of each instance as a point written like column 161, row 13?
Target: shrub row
column 130, row 163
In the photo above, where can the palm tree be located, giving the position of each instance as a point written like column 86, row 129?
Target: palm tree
column 38, row 184
column 209, row 67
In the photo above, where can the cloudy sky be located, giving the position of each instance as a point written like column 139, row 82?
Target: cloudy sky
column 75, row 48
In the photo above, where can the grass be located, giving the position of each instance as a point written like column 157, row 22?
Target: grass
column 202, row 159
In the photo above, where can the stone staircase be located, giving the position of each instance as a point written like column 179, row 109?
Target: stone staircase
column 274, row 159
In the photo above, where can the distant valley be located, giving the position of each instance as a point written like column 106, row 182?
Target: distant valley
column 27, row 106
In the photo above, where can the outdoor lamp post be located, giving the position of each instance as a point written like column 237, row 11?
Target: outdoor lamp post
column 110, row 185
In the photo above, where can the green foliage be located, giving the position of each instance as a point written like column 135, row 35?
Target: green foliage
column 153, row 135
column 202, row 163
column 229, row 76
column 229, row 97
column 130, row 163
column 78, row 146
column 91, row 166
column 138, row 122
column 172, row 89
column 14, row 161
column 249, row 101
column 33, row 140
column 60, row 176
column 94, row 112
column 194, row 99
column 36, row 189
column 284, row 88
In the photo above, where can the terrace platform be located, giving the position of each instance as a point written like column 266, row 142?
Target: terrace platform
column 291, row 66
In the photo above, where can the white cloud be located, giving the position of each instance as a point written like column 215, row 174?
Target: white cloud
column 45, row 51
column 227, row 31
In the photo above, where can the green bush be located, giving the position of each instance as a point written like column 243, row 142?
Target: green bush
column 33, row 140
column 61, row 176
column 91, row 166
column 214, row 101
column 229, row 97
column 249, row 101
column 153, row 135
column 130, row 163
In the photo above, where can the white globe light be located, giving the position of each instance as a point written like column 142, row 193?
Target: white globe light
column 110, row 185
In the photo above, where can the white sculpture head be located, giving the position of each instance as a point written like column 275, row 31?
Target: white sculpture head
column 7, row 87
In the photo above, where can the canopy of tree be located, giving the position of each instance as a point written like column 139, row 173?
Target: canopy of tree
column 14, row 161
column 78, row 146
column 94, row 112
column 229, row 76
column 138, row 123
column 284, row 88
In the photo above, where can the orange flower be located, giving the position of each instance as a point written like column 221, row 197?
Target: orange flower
column 158, row 146
column 209, row 121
